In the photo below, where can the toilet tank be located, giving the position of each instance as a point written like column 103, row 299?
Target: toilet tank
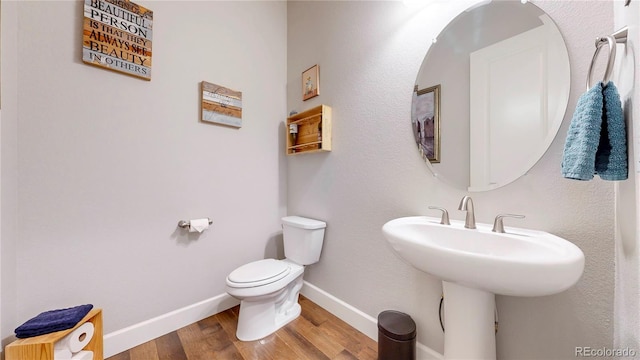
column 303, row 239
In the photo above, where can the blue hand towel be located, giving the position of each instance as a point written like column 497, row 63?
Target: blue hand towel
column 52, row 321
column 583, row 137
column 611, row 157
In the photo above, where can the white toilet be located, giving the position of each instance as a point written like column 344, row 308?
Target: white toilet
column 268, row 289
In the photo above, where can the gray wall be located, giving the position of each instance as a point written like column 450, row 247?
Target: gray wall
column 369, row 55
column 108, row 164
column 8, row 171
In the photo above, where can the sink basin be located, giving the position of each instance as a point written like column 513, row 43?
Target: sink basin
column 519, row 262
column 474, row 265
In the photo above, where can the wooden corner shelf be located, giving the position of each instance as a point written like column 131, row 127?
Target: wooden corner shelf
column 41, row 347
column 314, row 131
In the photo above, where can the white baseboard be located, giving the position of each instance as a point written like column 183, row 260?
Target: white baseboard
column 132, row 336
column 364, row 323
column 359, row 320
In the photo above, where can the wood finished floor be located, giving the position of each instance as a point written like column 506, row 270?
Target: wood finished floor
column 316, row 334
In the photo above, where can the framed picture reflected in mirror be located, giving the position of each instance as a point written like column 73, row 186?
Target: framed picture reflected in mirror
column 425, row 120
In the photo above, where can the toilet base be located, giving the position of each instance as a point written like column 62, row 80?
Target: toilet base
column 258, row 319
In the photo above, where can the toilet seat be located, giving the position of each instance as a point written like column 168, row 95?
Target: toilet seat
column 258, row 273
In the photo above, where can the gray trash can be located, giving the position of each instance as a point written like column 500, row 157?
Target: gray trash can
column 396, row 336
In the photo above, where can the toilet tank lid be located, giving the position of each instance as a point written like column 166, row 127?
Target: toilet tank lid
column 303, row 223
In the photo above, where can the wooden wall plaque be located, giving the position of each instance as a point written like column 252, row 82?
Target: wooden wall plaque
column 117, row 35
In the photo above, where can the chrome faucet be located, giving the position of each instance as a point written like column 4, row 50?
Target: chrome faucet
column 466, row 204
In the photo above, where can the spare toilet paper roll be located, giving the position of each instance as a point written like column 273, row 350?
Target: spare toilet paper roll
column 77, row 339
column 83, row 355
column 198, row 225
column 62, row 354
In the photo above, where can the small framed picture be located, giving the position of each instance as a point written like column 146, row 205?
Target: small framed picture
column 221, row 105
column 425, row 120
column 311, row 82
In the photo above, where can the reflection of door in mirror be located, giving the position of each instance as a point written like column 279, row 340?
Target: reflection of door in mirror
column 510, row 103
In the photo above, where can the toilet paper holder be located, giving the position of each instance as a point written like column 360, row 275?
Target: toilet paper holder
column 186, row 224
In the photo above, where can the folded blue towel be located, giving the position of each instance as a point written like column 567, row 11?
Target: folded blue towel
column 583, row 137
column 52, row 321
column 597, row 138
column 611, row 157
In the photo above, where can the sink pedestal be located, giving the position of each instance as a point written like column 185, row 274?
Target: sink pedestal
column 469, row 316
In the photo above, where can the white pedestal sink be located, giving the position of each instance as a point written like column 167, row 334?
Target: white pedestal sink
column 474, row 265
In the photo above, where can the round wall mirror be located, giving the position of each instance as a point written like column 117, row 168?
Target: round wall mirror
column 491, row 95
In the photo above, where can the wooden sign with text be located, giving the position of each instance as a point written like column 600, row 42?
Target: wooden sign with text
column 117, row 35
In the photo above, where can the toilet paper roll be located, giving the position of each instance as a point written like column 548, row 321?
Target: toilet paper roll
column 62, row 354
column 77, row 339
column 83, row 355
column 198, row 225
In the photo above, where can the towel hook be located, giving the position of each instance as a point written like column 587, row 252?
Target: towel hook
column 600, row 41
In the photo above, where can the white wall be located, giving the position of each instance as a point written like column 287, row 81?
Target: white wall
column 109, row 163
column 627, row 289
column 369, row 55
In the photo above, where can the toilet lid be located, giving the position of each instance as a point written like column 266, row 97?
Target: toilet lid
column 259, row 273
